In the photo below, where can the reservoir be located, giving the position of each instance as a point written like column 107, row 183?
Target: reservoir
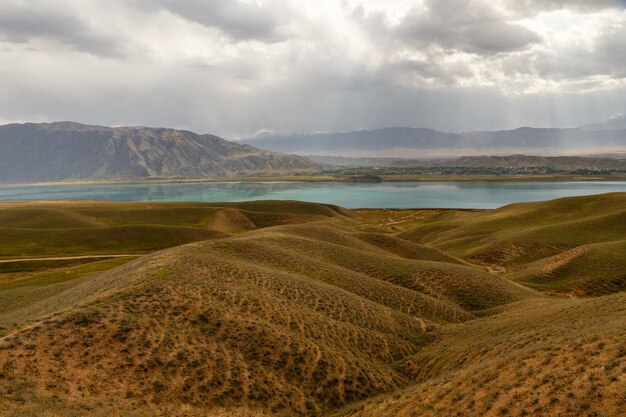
column 476, row 195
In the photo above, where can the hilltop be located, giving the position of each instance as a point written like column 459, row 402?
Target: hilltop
column 72, row 151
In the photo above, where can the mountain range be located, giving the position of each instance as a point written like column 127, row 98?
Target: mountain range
column 61, row 151
column 72, row 151
column 407, row 142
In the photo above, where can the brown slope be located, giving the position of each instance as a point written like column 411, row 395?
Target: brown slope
column 539, row 357
column 182, row 332
column 272, row 319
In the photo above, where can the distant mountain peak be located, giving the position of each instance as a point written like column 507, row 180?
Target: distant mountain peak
column 616, row 122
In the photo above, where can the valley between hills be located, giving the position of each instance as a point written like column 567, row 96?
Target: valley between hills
column 285, row 308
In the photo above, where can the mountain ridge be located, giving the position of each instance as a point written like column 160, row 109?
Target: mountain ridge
column 415, row 142
column 69, row 150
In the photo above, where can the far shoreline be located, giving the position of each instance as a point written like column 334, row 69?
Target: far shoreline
column 328, row 178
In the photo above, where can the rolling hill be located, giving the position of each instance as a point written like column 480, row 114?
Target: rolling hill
column 50, row 248
column 301, row 309
column 99, row 228
column 331, row 311
column 534, row 358
column 72, row 151
column 566, row 244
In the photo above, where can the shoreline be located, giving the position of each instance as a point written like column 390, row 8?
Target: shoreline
column 323, row 178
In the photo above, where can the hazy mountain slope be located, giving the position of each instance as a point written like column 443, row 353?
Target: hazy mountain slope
column 61, row 151
column 541, row 138
column 391, row 141
column 617, row 122
column 363, row 140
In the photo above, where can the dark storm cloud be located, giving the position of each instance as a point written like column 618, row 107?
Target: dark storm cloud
column 468, row 26
column 22, row 21
column 239, row 20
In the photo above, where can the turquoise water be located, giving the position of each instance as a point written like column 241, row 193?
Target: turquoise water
column 351, row 195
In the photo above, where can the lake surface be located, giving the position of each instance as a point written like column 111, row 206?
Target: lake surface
column 483, row 195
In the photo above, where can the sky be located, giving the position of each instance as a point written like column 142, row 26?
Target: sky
column 239, row 67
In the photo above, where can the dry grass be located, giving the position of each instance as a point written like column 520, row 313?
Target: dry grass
column 308, row 314
column 593, row 269
column 538, row 357
column 68, row 228
column 570, row 244
column 331, row 317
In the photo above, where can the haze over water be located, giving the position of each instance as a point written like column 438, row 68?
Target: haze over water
column 477, row 195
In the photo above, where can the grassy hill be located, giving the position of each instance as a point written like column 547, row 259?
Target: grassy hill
column 598, row 268
column 565, row 244
column 300, row 309
column 331, row 316
column 48, row 249
column 97, row 228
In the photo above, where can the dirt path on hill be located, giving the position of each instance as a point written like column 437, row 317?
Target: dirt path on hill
column 68, row 258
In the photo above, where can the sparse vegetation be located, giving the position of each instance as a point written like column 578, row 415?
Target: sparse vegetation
column 293, row 308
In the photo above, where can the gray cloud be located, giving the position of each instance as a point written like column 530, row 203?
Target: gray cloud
column 534, row 6
column 21, row 22
column 468, row 26
column 612, row 50
column 239, row 20
column 606, row 57
column 453, row 66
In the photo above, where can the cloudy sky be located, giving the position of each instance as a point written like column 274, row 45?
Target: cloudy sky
column 237, row 67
